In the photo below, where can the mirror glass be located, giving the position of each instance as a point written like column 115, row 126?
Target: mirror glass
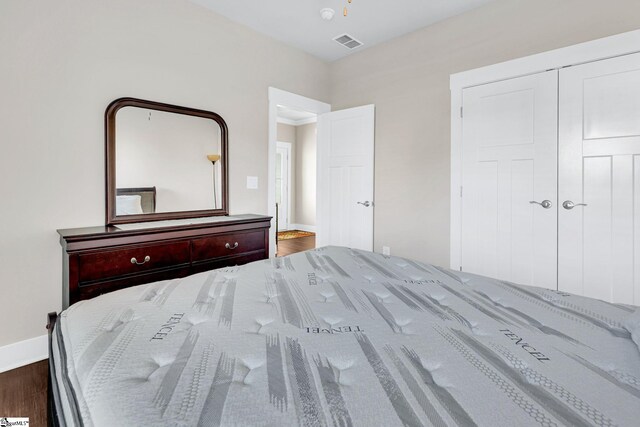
column 166, row 164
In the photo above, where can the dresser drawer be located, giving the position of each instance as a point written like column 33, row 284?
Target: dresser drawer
column 228, row 262
column 131, row 260
column 93, row 289
column 225, row 245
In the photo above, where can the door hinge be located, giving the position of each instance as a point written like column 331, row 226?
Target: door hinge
column 461, row 114
column 460, row 268
column 461, row 191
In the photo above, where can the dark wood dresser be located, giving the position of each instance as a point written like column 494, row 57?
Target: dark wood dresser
column 98, row 260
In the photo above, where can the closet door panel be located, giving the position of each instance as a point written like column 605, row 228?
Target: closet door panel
column 599, row 129
column 597, row 225
column 485, row 238
column 622, row 228
column 611, row 101
column 510, row 159
column 522, row 221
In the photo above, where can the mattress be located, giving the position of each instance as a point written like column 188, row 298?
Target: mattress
column 341, row 337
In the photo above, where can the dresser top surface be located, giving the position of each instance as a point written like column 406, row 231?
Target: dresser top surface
column 158, row 226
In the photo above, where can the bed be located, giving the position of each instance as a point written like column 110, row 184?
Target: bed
column 146, row 201
column 341, row 337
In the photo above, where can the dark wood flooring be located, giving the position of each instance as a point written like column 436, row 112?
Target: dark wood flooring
column 23, row 393
column 291, row 246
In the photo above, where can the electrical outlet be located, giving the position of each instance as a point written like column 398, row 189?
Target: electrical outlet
column 386, row 250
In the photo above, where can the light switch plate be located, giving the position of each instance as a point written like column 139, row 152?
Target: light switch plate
column 252, row 182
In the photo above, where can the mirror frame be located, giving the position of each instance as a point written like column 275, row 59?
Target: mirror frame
column 110, row 160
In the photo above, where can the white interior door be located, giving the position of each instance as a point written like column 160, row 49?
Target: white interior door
column 599, row 242
column 509, row 151
column 283, row 184
column 345, row 178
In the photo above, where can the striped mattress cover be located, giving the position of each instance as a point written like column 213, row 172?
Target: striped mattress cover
column 341, row 337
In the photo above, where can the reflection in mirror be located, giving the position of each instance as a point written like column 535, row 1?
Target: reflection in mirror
column 166, row 162
column 135, row 201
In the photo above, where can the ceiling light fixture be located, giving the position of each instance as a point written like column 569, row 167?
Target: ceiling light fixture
column 327, row 13
column 345, row 11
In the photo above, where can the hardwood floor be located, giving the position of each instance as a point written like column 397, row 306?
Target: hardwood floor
column 23, row 393
column 291, row 246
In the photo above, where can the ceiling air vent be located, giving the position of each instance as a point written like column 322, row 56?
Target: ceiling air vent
column 347, row 41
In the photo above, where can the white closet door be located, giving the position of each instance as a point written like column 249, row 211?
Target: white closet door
column 599, row 243
column 509, row 152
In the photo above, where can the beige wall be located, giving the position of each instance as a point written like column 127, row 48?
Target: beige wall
column 408, row 81
column 305, row 187
column 62, row 63
column 286, row 133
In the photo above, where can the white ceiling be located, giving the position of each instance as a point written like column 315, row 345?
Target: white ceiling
column 293, row 117
column 298, row 22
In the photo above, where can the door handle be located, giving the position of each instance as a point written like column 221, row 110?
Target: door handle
column 366, row 203
column 568, row 204
column 545, row 203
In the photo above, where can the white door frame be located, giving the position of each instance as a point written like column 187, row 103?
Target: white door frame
column 287, row 147
column 298, row 102
column 595, row 50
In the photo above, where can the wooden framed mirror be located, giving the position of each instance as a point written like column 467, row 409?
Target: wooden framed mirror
column 164, row 162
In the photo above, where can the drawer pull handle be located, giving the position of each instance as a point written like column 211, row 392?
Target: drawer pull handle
column 228, row 246
column 146, row 260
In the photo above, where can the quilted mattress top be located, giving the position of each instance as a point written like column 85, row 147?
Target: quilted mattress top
column 343, row 337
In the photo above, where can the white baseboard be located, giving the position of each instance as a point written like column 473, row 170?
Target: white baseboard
column 302, row 227
column 24, row 352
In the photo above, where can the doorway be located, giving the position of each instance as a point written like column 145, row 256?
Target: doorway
column 340, row 166
column 293, row 175
column 295, row 179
